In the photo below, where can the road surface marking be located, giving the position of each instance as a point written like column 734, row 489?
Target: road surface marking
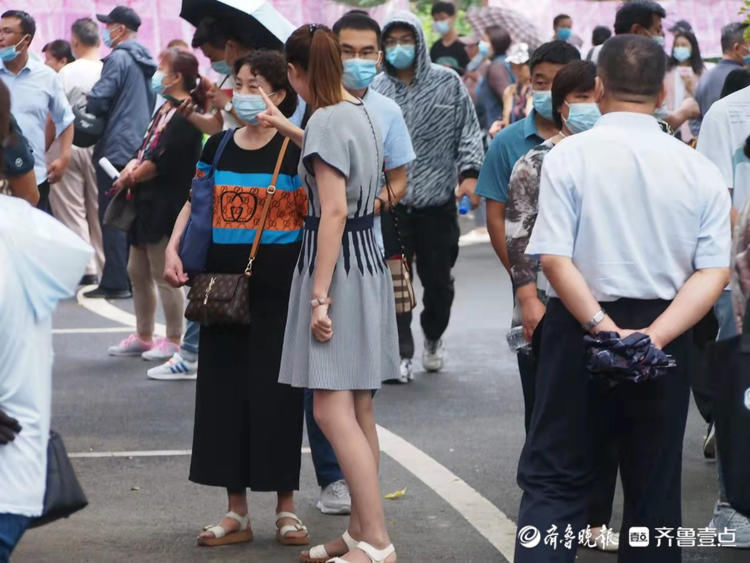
column 92, row 330
column 142, row 453
column 105, row 309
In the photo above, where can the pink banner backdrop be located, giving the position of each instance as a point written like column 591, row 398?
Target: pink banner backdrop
column 706, row 16
column 161, row 18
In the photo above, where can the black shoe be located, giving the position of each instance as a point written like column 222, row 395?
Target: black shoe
column 89, row 279
column 101, row 293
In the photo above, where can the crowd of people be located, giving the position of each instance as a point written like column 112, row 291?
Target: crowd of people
column 608, row 183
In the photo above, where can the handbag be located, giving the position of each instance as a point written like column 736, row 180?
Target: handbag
column 63, row 494
column 120, row 212
column 87, row 128
column 225, row 298
column 197, row 236
column 403, row 290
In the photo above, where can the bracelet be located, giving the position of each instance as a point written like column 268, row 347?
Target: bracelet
column 595, row 321
column 318, row 301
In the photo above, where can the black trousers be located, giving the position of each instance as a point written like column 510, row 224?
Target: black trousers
column 557, row 469
column 114, row 241
column 430, row 233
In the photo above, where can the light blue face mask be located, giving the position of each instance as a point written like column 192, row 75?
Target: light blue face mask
column 157, row 82
column 221, row 67
column 543, row 103
column 475, row 62
column 11, row 51
column 441, row 27
column 582, row 117
column 248, row 106
column 564, row 33
column 107, row 37
column 659, row 40
column 682, row 53
column 484, row 48
column 359, row 73
column 400, row 56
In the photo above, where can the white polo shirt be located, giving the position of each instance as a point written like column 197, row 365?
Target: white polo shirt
column 725, row 128
column 637, row 210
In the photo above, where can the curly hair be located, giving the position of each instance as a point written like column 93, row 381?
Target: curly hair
column 271, row 65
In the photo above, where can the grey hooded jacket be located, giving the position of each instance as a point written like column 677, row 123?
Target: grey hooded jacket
column 123, row 95
column 441, row 120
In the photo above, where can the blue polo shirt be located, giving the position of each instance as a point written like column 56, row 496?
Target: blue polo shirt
column 506, row 148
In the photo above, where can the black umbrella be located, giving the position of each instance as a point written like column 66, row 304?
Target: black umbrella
column 256, row 22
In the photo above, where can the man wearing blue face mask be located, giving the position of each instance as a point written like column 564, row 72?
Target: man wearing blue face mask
column 448, row 50
column 124, row 97
column 448, row 143
column 563, row 26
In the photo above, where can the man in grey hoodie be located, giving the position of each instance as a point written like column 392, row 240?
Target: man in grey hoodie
column 448, row 142
column 123, row 95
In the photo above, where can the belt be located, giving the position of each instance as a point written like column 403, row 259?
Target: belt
column 353, row 224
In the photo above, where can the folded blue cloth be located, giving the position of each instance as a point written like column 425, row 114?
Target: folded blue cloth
column 633, row 359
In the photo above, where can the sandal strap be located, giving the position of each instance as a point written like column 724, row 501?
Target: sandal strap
column 291, row 515
column 298, row 526
column 350, row 542
column 376, row 555
column 243, row 521
column 217, row 531
column 318, row 552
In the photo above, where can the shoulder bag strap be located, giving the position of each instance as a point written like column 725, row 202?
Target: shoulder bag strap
column 394, row 216
column 270, row 191
column 220, row 150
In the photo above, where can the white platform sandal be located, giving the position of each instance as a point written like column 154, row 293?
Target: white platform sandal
column 375, row 555
column 282, row 534
column 222, row 537
column 318, row 554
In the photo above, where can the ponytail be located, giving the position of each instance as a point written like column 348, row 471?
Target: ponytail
column 199, row 94
column 316, row 50
column 185, row 63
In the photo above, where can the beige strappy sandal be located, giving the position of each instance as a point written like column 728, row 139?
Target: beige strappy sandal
column 222, row 537
column 282, row 534
column 375, row 555
column 318, row 554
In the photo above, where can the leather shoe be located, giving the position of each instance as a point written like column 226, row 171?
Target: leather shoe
column 89, row 279
column 101, row 293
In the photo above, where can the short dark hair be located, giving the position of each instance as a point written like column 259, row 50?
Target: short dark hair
column 600, row 34
column 637, row 12
column 577, row 76
column 359, row 20
column 443, row 8
column 555, row 52
column 28, row 25
column 736, row 81
column 60, row 49
column 631, row 65
column 271, row 65
column 499, row 39
column 86, row 31
column 559, row 18
column 209, row 31
column 732, row 33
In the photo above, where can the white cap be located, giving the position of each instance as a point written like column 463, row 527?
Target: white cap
column 518, row 54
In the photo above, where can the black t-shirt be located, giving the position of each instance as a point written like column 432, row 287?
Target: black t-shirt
column 453, row 56
column 17, row 154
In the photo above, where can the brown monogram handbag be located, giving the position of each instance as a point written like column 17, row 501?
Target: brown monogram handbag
column 403, row 291
column 224, row 299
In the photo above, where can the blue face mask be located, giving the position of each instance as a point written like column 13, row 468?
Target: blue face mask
column 10, row 52
column 157, row 82
column 358, row 73
column 475, row 63
column 221, row 67
column 248, row 106
column 107, row 37
column 543, row 103
column 484, row 48
column 582, row 117
column 746, row 58
column 400, row 56
column 564, row 33
column 682, row 53
column 442, row 27
column 659, row 40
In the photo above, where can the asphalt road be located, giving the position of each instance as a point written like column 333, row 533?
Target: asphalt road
column 469, row 419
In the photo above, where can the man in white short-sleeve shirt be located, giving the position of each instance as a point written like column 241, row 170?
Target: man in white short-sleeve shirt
column 633, row 233
column 42, row 262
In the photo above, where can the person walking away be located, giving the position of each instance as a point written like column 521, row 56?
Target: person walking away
column 158, row 179
column 124, row 98
column 342, row 289
column 735, row 50
column 497, row 78
column 448, row 50
column 684, row 70
column 75, row 197
column 602, row 277
column 238, row 393
column 600, row 34
column 57, row 54
column 449, row 144
column 478, row 51
column 574, row 111
column 36, row 92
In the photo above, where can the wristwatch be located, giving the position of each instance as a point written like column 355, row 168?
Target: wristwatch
column 228, row 107
column 595, row 320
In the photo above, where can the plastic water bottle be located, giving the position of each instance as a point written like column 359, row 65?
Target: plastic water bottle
column 516, row 340
column 464, row 206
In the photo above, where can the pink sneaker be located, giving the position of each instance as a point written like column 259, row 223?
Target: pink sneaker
column 131, row 346
column 162, row 351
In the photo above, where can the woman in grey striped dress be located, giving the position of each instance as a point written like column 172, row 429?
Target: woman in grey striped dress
column 341, row 337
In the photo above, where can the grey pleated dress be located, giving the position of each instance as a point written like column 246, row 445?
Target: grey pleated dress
column 364, row 349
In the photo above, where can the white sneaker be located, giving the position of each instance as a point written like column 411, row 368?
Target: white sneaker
column 476, row 236
column 162, row 350
column 131, row 346
column 335, row 499
column 405, row 373
column 433, row 355
column 176, row 369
